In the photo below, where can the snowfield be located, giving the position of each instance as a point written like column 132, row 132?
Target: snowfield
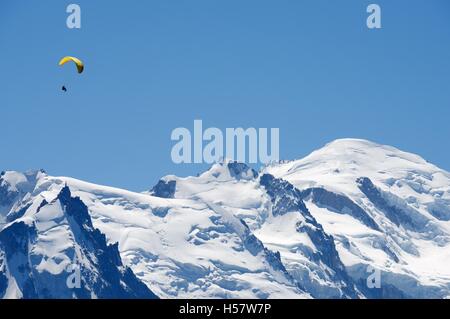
column 310, row 228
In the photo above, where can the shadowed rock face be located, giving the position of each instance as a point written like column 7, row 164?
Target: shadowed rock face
column 339, row 204
column 15, row 242
column 13, row 189
column 102, row 272
column 164, row 189
column 7, row 196
column 3, row 276
column 405, row 215
column 393, row 213
column 255, row 247
column 286, row 198
column 241, row 170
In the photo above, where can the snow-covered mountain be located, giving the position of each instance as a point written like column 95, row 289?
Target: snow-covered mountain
column 50, row 241
column 385, row 208
column 318, row 227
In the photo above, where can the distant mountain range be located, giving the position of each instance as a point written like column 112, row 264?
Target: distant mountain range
column 353, row 219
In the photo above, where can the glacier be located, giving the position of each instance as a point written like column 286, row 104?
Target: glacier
column 309, row 228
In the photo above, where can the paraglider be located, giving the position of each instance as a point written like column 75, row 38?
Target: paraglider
column 78, row 63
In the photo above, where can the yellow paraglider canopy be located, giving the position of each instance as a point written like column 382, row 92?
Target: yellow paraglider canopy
column 78, row 63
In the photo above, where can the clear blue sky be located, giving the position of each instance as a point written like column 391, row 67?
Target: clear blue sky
column 311, row 68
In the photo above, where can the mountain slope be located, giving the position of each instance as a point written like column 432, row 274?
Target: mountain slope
column 275, row 213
